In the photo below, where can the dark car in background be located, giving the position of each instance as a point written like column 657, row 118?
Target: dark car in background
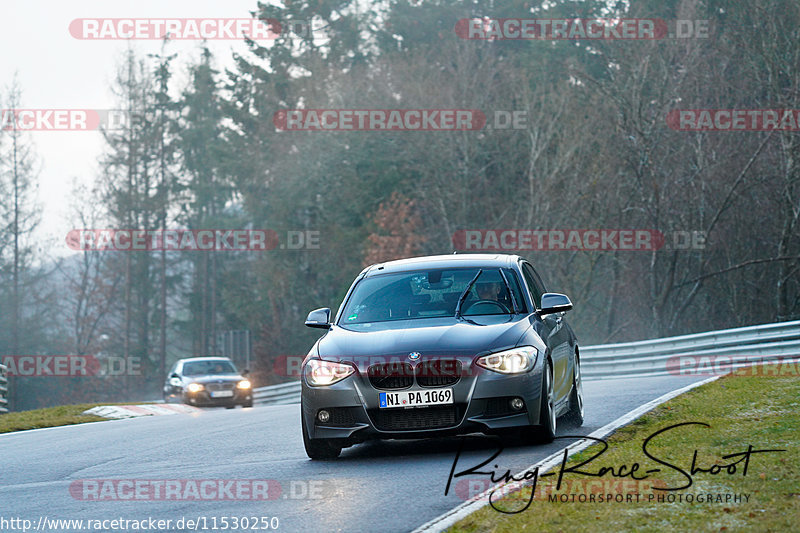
column 441, row 345
column 208, row 381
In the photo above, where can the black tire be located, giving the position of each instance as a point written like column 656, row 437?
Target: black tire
column 248, row 404
column 319, row 449
column 545, row 432
column 230, row 406
column 547, row 413
column 575, row 414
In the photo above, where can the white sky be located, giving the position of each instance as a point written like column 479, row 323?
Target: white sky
column 55, row 70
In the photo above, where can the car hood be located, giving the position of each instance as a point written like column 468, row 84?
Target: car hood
column 209, row 378
column 431, row 337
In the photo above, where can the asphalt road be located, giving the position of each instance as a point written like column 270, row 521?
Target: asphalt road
column 382, row 486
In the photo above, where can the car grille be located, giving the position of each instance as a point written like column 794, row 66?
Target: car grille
column 434, row 373
column 438, row 372
column 226, row 385
column 416, row 418
column 391, row 376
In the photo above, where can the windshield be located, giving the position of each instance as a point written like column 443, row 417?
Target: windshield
column 202, row 368
column 432, row 293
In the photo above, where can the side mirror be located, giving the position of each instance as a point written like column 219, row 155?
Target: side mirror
column 175, row 375
column 319, row 318
column 245, row 372
column 552, row 302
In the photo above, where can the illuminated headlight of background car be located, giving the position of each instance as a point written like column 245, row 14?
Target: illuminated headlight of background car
column 321, row 373
column 244, row 384
column 194, row 387
column 514, row 361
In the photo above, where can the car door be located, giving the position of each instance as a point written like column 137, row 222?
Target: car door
column 555, row 334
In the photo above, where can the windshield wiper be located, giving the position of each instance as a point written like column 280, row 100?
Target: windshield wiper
column 510, row 292
column 466, row 291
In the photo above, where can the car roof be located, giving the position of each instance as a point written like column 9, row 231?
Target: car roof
column 210, row 358
column 443, row 261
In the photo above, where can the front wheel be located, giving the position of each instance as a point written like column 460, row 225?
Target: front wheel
column 547, row 411
column 545, row 432
column 318, row 449
column 575, row 414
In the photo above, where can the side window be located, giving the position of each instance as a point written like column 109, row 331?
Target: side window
column 534, row 283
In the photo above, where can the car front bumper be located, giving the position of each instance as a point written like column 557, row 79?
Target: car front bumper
column 203, row 399
column 481, row 405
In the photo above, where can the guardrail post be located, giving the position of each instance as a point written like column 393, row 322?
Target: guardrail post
column 3, row 390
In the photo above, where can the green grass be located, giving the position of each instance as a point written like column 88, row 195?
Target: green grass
column 64, row 415
column 762, row 411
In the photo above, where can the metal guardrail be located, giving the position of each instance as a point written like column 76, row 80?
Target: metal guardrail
column 725, row 349
column 728, row 348
column 278, row 394
column 3, row 390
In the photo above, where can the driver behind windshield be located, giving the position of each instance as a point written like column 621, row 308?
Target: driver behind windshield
column 489, row 291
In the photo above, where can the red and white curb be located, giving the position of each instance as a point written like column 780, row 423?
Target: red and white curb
column 133, row 411
column 448, row 519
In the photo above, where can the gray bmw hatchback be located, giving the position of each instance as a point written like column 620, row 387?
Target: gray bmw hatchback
column 441, row 345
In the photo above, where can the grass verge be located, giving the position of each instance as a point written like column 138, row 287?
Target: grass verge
column 64, row 415
column 739, row 410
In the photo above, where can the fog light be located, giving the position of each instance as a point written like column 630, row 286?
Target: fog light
column 517, row 404
column 323, row 416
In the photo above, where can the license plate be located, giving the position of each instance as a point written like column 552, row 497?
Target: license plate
column 222, row 394
column 416, row 398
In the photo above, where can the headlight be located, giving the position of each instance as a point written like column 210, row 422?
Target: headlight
column 321, row 373
column 194, row 387
column 514, row 361
column 244, row 384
